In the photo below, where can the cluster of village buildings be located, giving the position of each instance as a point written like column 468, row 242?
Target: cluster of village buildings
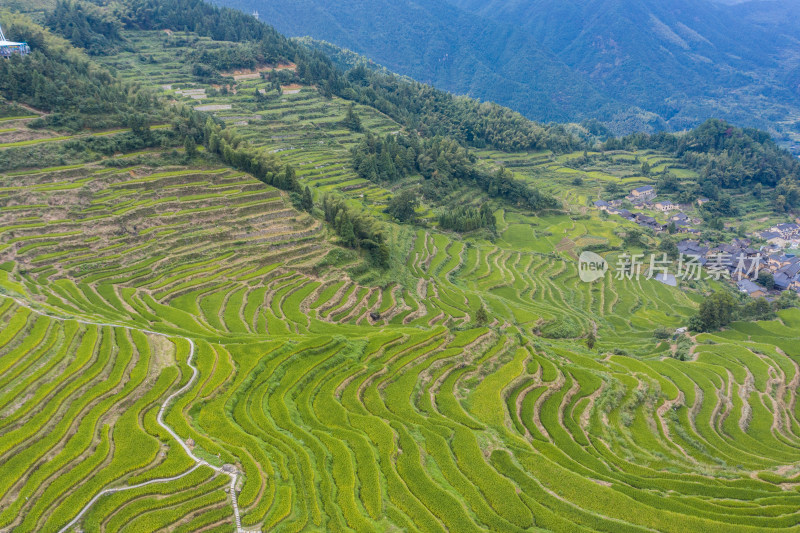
column 783, row 236
column 741, row 261
column 645, row 198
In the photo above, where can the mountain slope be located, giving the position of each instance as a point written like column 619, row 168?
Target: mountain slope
column 772, row 15
column 636, row 65
column 645, row 50
column 435, row 42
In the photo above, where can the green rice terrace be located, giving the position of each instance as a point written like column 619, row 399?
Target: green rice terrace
column 181, row 349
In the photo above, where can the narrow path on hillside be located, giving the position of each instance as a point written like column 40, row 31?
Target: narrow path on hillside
column 234, row 475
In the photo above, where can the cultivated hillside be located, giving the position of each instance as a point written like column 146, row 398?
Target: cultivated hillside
column 243, row 290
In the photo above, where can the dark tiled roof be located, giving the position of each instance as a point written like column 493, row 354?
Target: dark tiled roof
column 748, row 286
column 782, row 281
column 791, row 270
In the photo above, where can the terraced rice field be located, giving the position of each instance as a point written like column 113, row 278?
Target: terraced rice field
column 334, row 420
column 177, row 353
column 305, row 129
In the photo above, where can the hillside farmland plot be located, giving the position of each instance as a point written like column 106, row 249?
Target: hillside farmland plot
column 180, row 348
column 419, row 419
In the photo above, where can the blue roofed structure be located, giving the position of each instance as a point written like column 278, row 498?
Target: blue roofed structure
column 11, row 48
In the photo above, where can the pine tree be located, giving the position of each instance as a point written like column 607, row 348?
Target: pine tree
column 352, row 121
column 591, row 340
column 307, row 202
column 488, row 217
column 347, row 233
column 386, row 168
column 289, row 180
column 482, row 316
column 382, row 255
column 403, row 205
column 139, row 125
column 190, row 147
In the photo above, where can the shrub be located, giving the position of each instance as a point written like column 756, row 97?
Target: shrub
column 663, row 333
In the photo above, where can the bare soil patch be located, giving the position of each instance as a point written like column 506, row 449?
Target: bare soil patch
column 22, row 132
column 246, row 74
column 217, row 107
column 292, row 88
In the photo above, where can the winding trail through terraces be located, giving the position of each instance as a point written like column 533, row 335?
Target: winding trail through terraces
column 233, row 474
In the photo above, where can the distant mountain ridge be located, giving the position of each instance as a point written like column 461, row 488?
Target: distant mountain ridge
column 664, row 57
column 436, row 42
column 637, row 65
column 780, row 15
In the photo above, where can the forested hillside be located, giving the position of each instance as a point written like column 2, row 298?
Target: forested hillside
column 435, row 42
column 726, row 158
column 636, row 65
column 74, row 92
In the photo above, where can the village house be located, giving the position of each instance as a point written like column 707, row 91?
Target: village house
column 775, row 238
column 742, row 267
column 787, row 230
column 647, row 222
column 783, row 236
column 624, row 213
column 702, row 201
column 782, row 281
column 793, row 269
column 665, row 206
column 642, row 195
column 602, row 205
column 787, row 273
column 692, row 248
column 681, row 224
column 743, row 263
column 751, row 289
column 745, row 246
column 789, row 276
column 645, row 193
column 778, row 261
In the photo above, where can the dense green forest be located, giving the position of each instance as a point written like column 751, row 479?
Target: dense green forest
column 357, row 230
column 467, row 218
column 445, row 165
column 86, row 26
column 62, row 81
column 726, row 158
